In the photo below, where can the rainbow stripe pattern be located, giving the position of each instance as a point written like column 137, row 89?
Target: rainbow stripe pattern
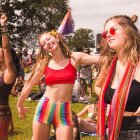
column 66, row 26
column 58, row 114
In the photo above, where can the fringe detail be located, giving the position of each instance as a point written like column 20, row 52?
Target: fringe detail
column 6, row 123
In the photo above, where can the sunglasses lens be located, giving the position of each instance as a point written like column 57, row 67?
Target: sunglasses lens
column 112, row 31
column 104, row 34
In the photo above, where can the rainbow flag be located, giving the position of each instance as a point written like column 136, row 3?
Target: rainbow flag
column 66, row 26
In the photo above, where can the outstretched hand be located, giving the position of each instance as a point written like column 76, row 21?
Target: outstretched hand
column 22, row 111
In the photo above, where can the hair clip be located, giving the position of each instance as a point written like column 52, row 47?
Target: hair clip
column 53, row 32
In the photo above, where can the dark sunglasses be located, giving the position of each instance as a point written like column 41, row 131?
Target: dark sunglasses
column 112, row 31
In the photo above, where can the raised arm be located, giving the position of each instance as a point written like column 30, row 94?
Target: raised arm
column 27, row 89
column 10, row 71
column 83, row 58
column 84, row 111
column 100, row 81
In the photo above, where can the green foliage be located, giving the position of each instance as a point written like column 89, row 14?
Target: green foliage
column 27, row 18
column 82, row 38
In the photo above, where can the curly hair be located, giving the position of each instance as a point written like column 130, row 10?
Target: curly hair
column 16, row 60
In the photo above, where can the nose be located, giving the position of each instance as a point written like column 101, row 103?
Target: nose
column 108, row 34
column 46, row 43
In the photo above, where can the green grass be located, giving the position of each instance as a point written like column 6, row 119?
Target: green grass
column 23, row 128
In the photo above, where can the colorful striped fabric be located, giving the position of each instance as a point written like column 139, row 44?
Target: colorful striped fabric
column 49, row 112
column 66, row 26
column 118, row 103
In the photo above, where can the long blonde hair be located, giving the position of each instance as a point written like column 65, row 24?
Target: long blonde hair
column 43, row 57
column 131, row 50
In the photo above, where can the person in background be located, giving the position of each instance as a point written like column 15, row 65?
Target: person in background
column 26, row 57
column 76, row 129
column 17, row 88
column 9, row 68
column 19, row 54
column 88, row 124
column 118, row 84
column 86, row 78
column 27, row 62
column 59, row 67
column 76, row 89
column 95, row 72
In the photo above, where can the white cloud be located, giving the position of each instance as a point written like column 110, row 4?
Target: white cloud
column 93, row 13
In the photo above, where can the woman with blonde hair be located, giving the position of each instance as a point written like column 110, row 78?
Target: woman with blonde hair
column 60, row 68
column 118, row 84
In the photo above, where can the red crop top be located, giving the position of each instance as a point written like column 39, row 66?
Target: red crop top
column 66, row 75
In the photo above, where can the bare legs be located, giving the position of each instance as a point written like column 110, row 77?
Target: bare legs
column 89, row 87
column 42, row 131
column 64, row 132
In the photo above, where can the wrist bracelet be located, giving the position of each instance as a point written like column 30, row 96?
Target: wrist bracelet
column 3, row 30
column 3, row 27
column 4, row 33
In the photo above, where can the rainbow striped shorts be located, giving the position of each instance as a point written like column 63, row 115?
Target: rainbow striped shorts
column 58, row 114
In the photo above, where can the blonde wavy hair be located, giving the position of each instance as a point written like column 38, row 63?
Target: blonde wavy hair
column 43, row 57
column 131, row 50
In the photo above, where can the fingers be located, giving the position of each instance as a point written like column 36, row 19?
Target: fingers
column 22, row 116
column 3, row 18
column 22, row 112
column 27, row 109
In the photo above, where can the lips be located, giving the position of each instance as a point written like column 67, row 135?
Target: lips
column 51, row 45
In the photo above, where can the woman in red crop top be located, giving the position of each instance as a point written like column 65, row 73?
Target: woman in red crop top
column 118, row 84
column 59, row 67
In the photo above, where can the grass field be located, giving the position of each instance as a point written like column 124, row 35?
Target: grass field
column 23, row 128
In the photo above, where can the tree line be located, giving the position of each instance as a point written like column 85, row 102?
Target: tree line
column 28, row 18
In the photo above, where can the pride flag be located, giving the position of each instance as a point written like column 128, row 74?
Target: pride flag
column 66, row 26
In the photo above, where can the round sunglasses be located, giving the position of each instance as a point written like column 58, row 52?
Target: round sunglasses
column 112, row 31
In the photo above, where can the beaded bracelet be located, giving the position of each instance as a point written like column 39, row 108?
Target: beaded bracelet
column 4, row 33
column 3, row 28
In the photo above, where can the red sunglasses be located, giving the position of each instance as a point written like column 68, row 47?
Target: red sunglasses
column 112, row 31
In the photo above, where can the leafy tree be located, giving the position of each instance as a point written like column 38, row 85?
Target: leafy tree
column 82, row 38
column 27, row 18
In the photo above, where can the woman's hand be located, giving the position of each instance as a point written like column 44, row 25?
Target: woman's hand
column 22, row 111
column 3, row 20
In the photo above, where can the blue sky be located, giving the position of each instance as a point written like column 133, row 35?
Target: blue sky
column 93, row 13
